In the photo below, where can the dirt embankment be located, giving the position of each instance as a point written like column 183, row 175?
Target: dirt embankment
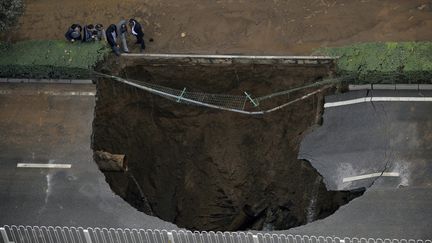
column 238, row 26
column 208, row 169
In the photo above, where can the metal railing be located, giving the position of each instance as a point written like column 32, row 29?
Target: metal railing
column 43, row 234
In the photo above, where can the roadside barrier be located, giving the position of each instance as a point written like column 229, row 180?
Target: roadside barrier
column 49, row 234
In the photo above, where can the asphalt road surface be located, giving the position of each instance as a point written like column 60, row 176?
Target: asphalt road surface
column 45, row 125
column 48, row 177
column 380, row 140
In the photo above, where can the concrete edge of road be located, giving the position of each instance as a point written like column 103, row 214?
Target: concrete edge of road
column 231, row 59
column 145, row 55
column 45, row 81
column 376, row 99
column 390, row 87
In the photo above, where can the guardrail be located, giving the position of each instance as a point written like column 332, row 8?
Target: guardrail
column 42, row 234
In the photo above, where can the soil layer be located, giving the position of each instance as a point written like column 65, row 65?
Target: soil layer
column 238, row 26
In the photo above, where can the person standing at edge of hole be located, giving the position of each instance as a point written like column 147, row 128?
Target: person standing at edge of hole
column 122, row 31
column 136, row 30
column 111, row 36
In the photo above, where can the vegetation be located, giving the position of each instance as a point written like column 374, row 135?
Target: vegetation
column 391, row 62
column 10, row 10
column 50, row 59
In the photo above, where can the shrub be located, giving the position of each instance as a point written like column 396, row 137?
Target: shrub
column 391, row 62
column 10, row 10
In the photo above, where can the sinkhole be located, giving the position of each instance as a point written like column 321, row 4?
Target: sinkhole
column 208, row 169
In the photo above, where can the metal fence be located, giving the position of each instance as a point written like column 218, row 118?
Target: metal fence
column 42, row 234
column 234, row 103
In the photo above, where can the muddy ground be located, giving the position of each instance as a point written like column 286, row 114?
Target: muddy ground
column 238, row 26
column 208, row 169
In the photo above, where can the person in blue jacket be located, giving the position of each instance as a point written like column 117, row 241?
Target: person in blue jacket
column 88, row 33
column 74, row 33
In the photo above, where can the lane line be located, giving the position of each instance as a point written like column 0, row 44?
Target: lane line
column 46, row 81
column 48, row 166
column 361, row 177
column 53, row 93
column 377, row 99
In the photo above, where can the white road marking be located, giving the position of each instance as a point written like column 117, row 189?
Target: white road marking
column 361, row 177
column 67, row 93
column 53, row 93
column 46, row 81
column 48, row 166
column 377, row 99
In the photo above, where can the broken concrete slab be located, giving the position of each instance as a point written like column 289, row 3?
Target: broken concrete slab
column 108, row 162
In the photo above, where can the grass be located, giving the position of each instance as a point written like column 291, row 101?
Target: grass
column 50, row 59
column 390, row 62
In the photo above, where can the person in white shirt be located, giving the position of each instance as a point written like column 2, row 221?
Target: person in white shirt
column 137, row 31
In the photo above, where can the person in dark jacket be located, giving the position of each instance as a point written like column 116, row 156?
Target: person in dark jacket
column 111, row 36
column 73, row 33
column 136, row 30
column 88, row 33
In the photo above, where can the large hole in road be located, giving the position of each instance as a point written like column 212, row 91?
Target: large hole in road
column 207, row 169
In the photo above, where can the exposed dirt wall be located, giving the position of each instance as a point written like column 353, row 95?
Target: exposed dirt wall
column 208, row 169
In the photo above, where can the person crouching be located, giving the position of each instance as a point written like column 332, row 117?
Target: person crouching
column 99, row 32
column 74, row 33
column 111, row 36
column 88, row 33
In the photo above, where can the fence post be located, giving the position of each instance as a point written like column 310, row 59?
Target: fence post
column 255, row 238
column 4, row 235
column 251, row 100
column 87, row 236
column 181, row 95
column 170, row 237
